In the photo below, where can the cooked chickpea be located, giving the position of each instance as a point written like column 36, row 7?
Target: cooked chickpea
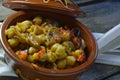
column 30, row 30
column 32, row 50
column 61, row 64
column 30, row 58
column 77, row 52
column 13, row 42
column 41, row 38
column 37, row 20
column 35, row 56
column 69, row 46
column 60, row 52
column 54, row 47
column 10, row 32
column 51, row 57
column 27, row 23
column 70, row 60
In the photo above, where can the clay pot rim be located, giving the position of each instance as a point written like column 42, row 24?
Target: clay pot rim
column 42, row 70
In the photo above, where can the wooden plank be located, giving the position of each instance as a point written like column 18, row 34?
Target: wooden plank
column 99, row 72
column 114, row 77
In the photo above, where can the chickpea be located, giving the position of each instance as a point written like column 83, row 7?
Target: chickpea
column 32, row 50
column 18, row 28
column 54, row 47
column 13, row 42
column 41, row 38
column 30, row 30
column 21, row 26
column 30, row 58
column 10, row 32
column 27, row 23
column 69, row 46
column 22, row 37
column 37, row 20
column 44, row 57
column 70, row 60
column 60, row 52
column 35, row 56
column 77, row 52
column 52, row 57
column 61, row 64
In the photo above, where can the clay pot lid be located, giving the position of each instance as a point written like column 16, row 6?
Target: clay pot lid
column 53, row 6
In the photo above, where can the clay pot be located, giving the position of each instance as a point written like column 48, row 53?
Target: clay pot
column 26, row 71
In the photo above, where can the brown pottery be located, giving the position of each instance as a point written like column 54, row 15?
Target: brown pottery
column 24, row 69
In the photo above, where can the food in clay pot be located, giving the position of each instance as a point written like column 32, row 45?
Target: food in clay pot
column 46, row 43
column 47, row 47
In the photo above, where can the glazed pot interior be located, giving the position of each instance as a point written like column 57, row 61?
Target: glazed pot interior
column 85, row 33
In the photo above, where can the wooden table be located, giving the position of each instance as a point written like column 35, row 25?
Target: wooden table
column 100, row 17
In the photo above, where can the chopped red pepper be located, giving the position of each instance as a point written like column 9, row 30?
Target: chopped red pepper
column 81, row 58
column 22, row 55
column 41, row 52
